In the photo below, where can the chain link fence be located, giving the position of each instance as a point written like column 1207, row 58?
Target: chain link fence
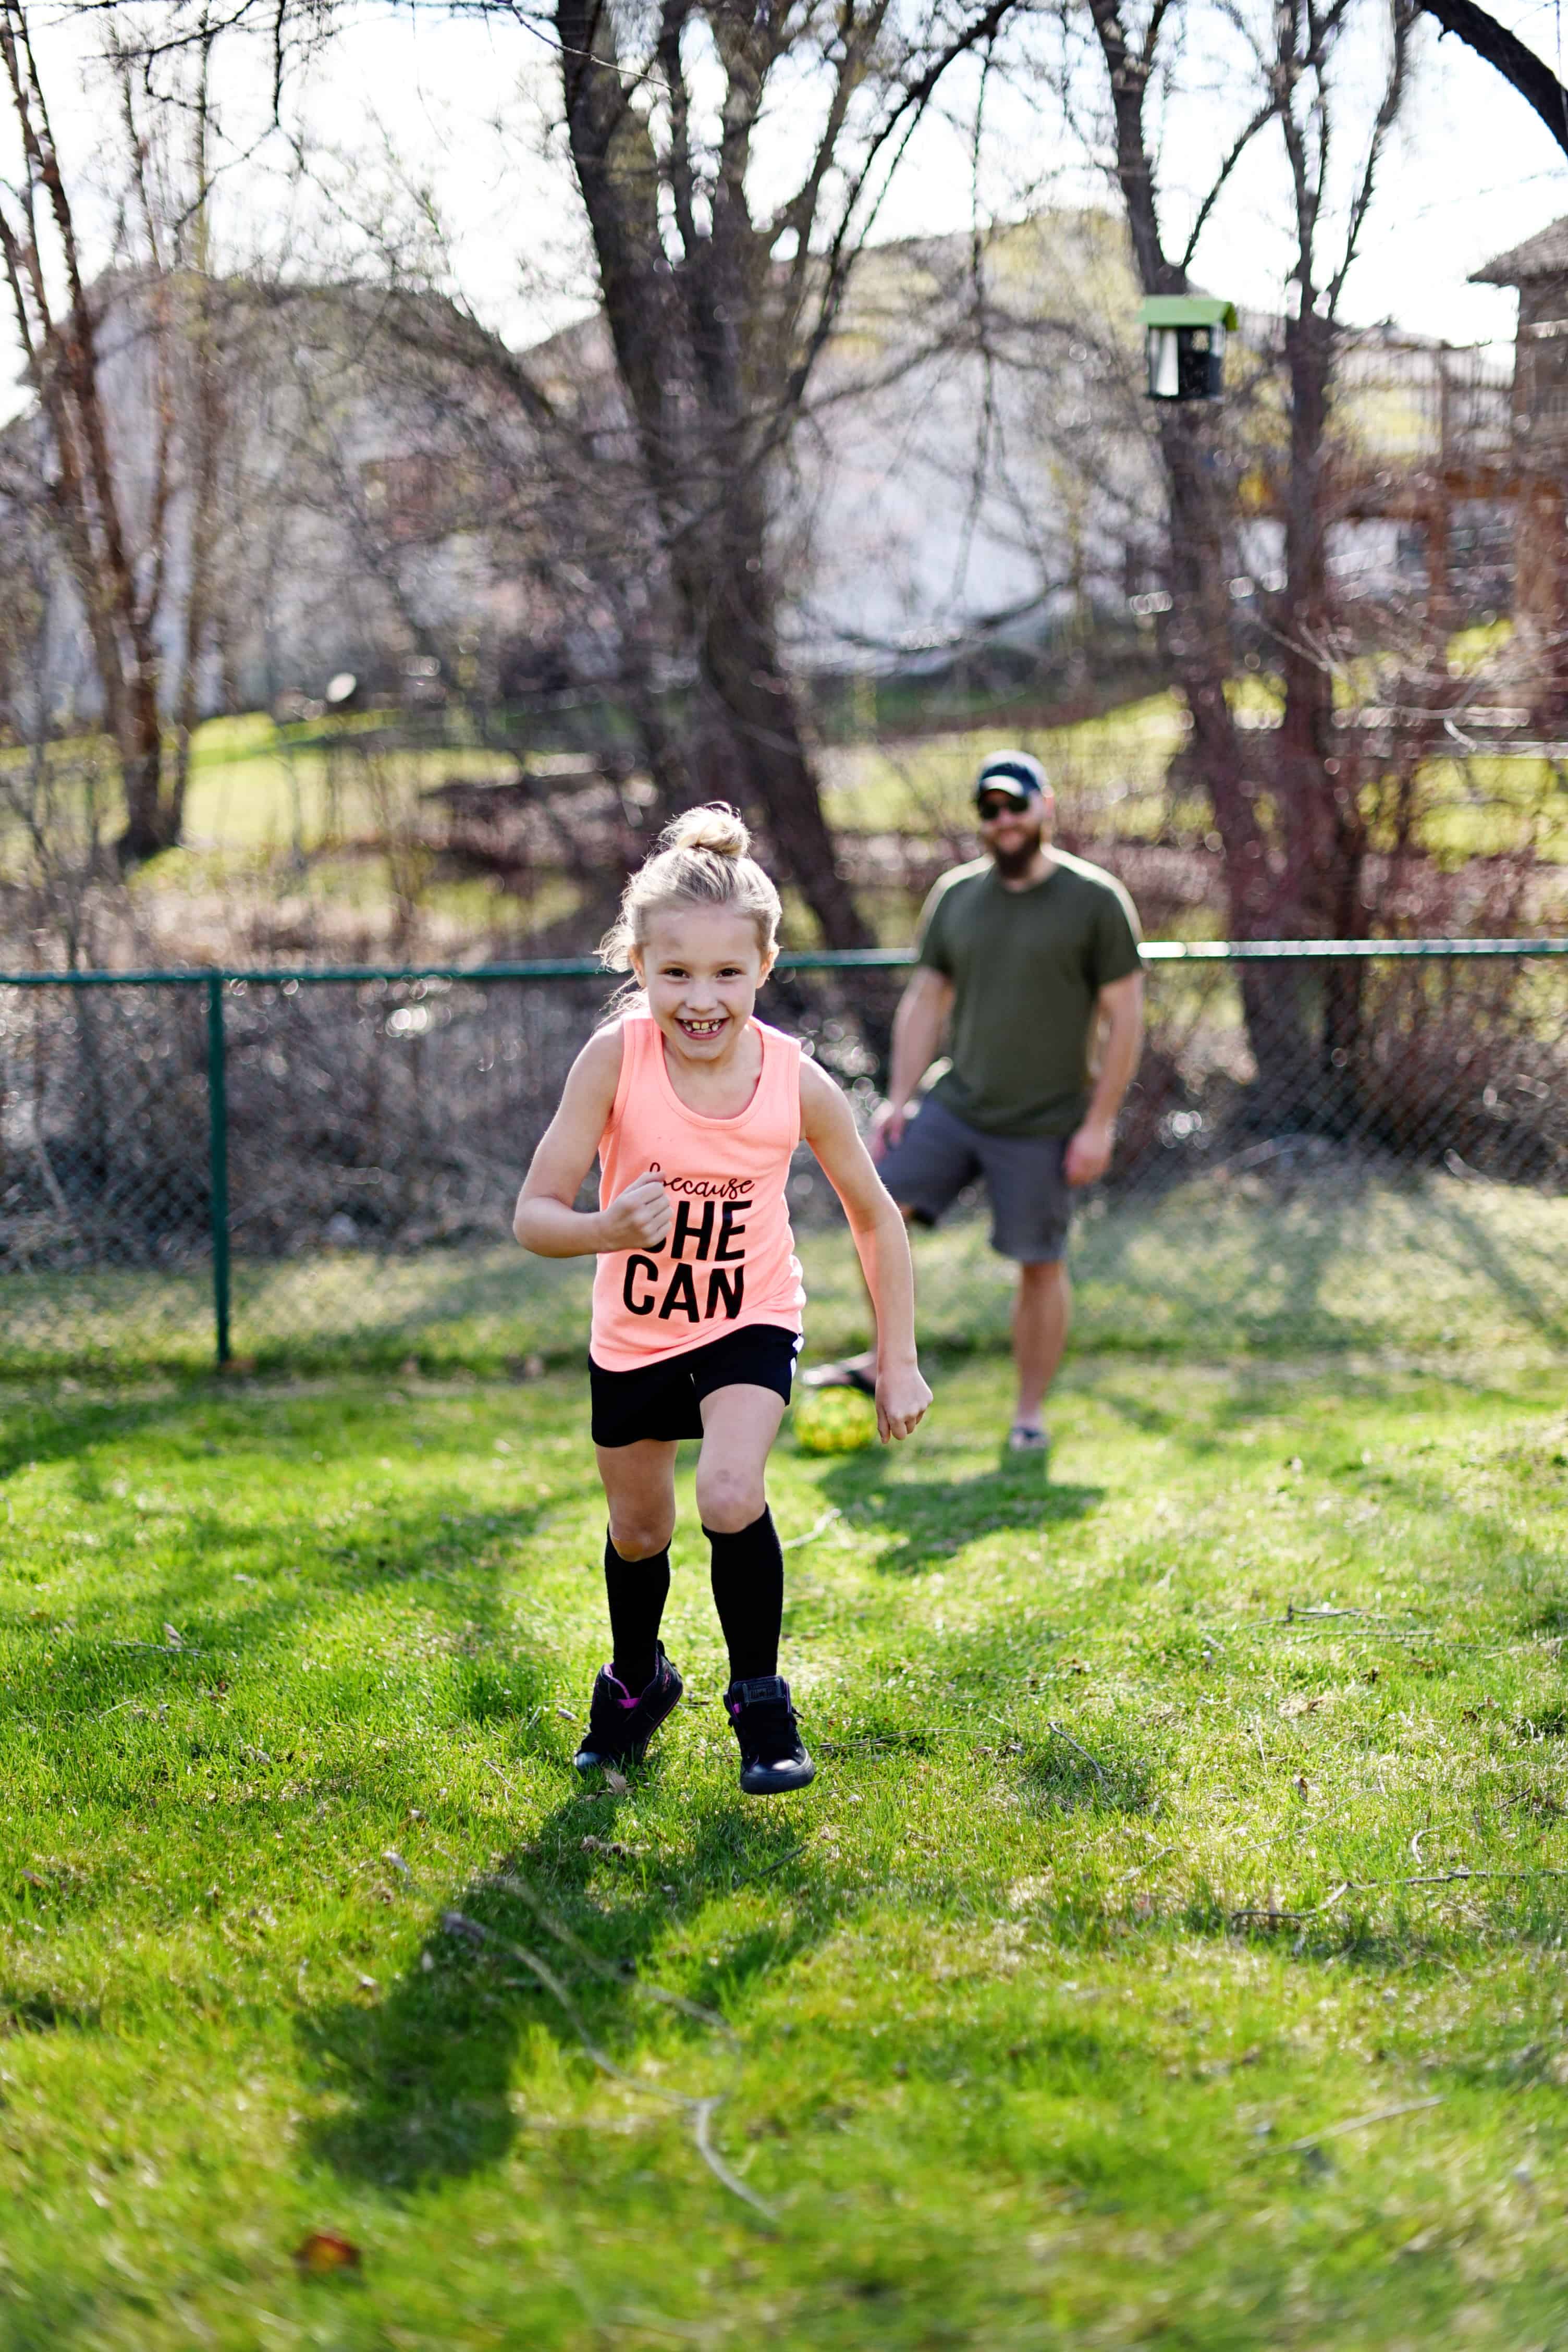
column 1346, row 1144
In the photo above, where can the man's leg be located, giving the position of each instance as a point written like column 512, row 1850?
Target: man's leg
column 1042, row 1312
column 1031, row 1208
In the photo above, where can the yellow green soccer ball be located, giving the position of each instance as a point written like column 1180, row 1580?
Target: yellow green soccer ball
column 835, row 1421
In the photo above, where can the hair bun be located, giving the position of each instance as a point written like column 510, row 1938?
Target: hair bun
column 716, row 827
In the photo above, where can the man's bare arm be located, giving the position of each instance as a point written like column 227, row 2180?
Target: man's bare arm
column 920, row 1025
column 1121, row 1004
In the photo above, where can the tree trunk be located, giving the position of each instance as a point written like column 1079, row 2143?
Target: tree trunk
column 705, row 458
column 150, row 824
column 1324, row 833
column 742, row 670
column 1199, row 650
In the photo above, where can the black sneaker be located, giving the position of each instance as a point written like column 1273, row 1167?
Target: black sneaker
column 620, row 1724
column 773, row 1754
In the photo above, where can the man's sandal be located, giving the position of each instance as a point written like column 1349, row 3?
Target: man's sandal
column 1022, row 1439
column 840, row 1376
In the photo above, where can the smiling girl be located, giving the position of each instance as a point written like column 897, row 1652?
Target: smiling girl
column 694, row 1109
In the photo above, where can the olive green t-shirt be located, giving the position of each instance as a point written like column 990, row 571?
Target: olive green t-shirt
column 1026, row 966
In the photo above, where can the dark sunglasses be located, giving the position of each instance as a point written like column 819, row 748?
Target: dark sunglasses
column 1001, row 804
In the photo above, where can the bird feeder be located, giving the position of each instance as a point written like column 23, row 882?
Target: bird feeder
column 1185, row 341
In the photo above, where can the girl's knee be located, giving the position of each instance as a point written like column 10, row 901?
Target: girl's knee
column 640, row 1535
column 729, row 1499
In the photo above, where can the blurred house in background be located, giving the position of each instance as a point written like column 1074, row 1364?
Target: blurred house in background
column 969, row 498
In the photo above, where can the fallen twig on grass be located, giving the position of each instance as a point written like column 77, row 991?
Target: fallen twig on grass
column 1287, row 1918
column 1466, row 1870
column 1139, row 1867
column 919, row 1739
column 811, row 1533
column 1092, row 1762
column 609, row 1973
column 699, row 2110
column 1360, row 2122
column 158, row 1649
column 1322, row 1625
column 702, row 2116
column 654, row 2326
column 1370, row 1885
column 755, row 1877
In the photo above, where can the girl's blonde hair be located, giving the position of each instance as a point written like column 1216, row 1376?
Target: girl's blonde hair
column 701, row 860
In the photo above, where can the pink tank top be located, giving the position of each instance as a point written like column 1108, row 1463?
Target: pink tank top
column 729, row 1258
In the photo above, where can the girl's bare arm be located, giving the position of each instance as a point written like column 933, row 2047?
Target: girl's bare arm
column 545, row 1221
column 827, row 1124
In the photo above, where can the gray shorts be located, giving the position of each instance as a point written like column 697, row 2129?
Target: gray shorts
column 1031, row 1201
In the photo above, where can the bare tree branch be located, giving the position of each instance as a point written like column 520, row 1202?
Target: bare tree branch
column 1266, row 112
column 1507, row 54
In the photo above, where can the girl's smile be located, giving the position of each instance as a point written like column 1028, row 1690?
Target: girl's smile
column 700, row 968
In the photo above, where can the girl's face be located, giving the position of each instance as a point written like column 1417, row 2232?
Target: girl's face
column 700, row 968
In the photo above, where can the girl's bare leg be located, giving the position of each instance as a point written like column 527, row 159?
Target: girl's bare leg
column 639, row 1487
column 739, row 1426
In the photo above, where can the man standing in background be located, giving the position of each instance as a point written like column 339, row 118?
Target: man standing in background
column 1026, row 957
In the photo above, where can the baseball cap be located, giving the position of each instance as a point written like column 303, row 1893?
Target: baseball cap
column 1012, row 772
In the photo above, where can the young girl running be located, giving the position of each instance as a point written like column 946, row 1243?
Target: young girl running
column 694, row 1109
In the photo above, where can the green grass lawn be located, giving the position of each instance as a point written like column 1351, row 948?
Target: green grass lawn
column 1169, row 1953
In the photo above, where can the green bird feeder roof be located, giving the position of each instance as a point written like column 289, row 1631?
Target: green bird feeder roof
column 1187, row 310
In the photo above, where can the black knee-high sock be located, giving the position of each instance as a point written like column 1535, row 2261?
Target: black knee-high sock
column 638, row 1591
column 748, row 1592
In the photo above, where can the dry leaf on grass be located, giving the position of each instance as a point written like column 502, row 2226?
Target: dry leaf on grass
column 324, row 2251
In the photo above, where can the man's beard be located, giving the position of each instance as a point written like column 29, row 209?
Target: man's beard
column 1013, row 864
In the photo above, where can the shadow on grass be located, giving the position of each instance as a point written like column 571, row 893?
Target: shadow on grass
column 1061, row 1776
column 225, row 1635
column 1267, row 1284
column 932, row 1517
column 34, row 1431
column 1520, row 1287
column 423, row 2080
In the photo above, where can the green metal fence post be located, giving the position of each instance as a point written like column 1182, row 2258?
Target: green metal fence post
column 218, row 1135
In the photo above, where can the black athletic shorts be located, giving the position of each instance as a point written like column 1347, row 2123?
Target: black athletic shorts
column 1031, row 1200
column 665, row 1400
